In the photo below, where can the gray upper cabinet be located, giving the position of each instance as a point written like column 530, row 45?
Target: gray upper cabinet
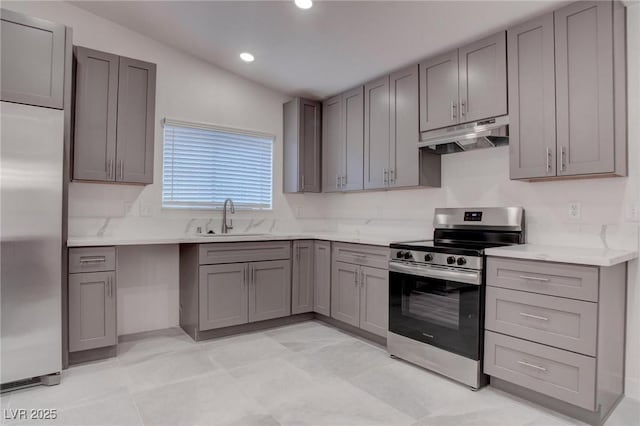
column 483, row 79
column 404, row 134
column 374, row 300
column 114, row 118
column 95, row 115
column 33, row 56
column 331, row 144
column 532, row 95
column 322, row 278
column 584, row 88
column 302, row 130
column 439, row 91
column 136, row 113
column 343, row 138
column 302, row 285
column 376, row 133
column 345, row 294
column 92, row 310
column 567, row 90
column 223, row 295
column 270, row 290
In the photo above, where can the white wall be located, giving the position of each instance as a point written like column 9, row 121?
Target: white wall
column 193, row 90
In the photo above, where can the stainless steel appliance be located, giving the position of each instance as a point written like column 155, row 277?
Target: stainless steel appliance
column 437, row 287
column 31, row 184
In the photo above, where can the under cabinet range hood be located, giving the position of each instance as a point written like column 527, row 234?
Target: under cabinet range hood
column 487, row 133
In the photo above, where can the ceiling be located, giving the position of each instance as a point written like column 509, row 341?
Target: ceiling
column 321, row 51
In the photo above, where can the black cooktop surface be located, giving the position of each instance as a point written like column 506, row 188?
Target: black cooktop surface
column 468, row 248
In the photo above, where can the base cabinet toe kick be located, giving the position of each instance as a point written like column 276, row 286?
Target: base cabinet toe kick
column 555, row 346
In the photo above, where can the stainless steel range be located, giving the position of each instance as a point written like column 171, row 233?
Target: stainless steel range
column 437, row 287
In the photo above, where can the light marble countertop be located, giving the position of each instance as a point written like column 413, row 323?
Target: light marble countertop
column 576, row 255
column 218, row 238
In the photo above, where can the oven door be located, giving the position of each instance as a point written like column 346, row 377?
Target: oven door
column 437, row 305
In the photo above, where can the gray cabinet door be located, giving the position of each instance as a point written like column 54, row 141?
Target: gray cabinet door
column 345, row 294
column 310, row 144
column 303, row 274
column 269, row 290
column 353, row 128
column 223, row 295
column 332, row 144
column 439, row 91
column 291, row 166
column 404, row 126
column 532, row 96
column 376, row 133
column 322, row 278
column 483, row 78
column 96, row 108
column 136, row 121
column 92, row 310
column 584, row 89
column 374, row 300
column 33, row 52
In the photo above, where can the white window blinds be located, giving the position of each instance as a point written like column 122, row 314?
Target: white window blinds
column 204, row 165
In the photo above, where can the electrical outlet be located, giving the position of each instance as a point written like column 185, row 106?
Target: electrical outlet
column 144, row 209
column 575, row 210
column 633, row 211
column 299, row 211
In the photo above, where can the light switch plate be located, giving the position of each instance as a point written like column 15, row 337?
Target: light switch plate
column 633, row 211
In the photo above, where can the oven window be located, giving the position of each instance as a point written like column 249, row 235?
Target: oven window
column 440, row 307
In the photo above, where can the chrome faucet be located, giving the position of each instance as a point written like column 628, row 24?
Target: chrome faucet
column 225, row 228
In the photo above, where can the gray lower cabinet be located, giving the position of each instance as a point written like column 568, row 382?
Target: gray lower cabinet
column 269, row 290
column 567, row 90
column 342, row 141
column 114, row 118
column 92, row 310
column 224, row 295
column 360, row 287
column 555, row 333
column 33, row 60
column 227, row 284
column 322, row 277
column 302, row 145
column 302, row 283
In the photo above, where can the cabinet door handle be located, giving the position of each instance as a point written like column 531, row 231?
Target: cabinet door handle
column 355, row 281
column 93, row 259
column 302, row 182
column 530, row 278
column 548, row 159
column 343, row 180
column 453, row 111
column 464, row 108
column 120, row 170
column 244, row 277
column 392, row 176
column 253, row 275
column 528, row 364
column 563, row 161
column 338, row 181
column 385, row 176
column 534, row 316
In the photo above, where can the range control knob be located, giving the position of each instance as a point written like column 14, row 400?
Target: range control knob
column 462, row 261
column 428, row 257
column 400, row 254
column 408, row 255
column 451, row 260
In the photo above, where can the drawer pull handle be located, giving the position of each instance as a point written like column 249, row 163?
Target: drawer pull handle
column 93, row 259
column 534, row 316
column 536, row 367
column 527, row 277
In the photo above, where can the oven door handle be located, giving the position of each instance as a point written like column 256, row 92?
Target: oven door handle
column 438, row 272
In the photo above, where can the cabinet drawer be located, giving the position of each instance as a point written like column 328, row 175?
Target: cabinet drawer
column 555, row 279
column 564, row 323
column 361, row 254
column 92, row 259
column 243, row 252
column 559, row 374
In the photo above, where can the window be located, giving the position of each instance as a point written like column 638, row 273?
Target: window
column 204, row 165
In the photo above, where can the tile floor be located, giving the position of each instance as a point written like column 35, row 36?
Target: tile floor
column 302, row 374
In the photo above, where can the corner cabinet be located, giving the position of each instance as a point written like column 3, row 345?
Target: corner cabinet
column 302, row 145
column 567, row 86
column 33, row 60
column 464, row 85
column 114, row 118
column 342, row 142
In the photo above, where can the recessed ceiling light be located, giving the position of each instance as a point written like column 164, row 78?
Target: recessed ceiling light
column 304, row 4
column 247, row 57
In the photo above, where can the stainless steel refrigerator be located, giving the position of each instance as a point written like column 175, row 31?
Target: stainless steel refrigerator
column 31, row 185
